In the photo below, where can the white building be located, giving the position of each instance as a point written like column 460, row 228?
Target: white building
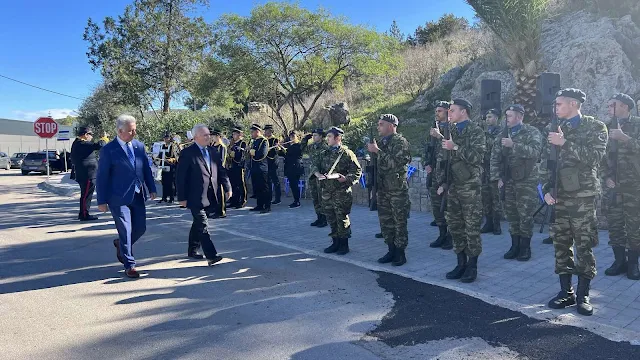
column 18, row 136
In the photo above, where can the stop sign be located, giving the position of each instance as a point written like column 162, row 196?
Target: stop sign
column 45, row 127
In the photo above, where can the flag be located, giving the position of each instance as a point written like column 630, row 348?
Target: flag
column 540, row 192
column 286, row 186
column 410, row 171
column 363, row 181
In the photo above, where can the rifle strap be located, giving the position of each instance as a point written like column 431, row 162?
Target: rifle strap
column 333, row 167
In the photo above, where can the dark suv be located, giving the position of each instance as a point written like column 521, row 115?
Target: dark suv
column 37, row 161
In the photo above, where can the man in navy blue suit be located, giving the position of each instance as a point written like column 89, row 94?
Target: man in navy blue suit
column 124, row 183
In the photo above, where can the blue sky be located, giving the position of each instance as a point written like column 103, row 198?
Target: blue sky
column 41, row 42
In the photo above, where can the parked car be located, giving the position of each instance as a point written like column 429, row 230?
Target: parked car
column 37, row 161
column 16, row 160
column 5, row 161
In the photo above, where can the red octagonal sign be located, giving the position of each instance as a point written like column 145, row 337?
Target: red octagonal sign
column 45, row 127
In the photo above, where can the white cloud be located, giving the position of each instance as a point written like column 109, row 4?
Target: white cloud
column 34, row 115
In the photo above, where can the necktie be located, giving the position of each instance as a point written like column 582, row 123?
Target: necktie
column 205, row 154
column 132, row 160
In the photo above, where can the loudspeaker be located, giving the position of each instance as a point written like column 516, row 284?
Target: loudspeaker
column 547, row 85
column 490, row 95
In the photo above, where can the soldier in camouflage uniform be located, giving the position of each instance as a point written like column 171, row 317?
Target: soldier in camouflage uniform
column 314, row 150
column 393, row 157
column 513, row 162
column 581, row 143
column 337, row 170
column 464, row 189
column 436, row 171
column 622, row 171
column 490, row 193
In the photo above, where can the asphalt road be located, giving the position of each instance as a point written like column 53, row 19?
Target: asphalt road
column 63, row 296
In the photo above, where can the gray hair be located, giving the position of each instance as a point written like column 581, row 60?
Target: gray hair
column 197, row 128
column 124, row 119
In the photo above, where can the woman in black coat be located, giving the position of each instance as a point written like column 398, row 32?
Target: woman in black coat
column 293, row 168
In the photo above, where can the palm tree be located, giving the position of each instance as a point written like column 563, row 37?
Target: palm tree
column 517, row 25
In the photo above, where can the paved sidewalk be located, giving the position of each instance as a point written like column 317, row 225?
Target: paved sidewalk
column 521, row 286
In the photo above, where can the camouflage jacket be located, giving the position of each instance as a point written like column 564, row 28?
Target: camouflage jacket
column 490, row 135
column 348, row 166
column 521, row 158
column 466, row 162
column 314, row 150
column 392, row 161
column 579, row 158
column 628, row 157
column 441, row 162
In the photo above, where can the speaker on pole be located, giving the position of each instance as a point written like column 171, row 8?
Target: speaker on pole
column 547, row 85
column 490, row 91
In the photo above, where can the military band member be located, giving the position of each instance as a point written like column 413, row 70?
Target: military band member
column 272, row 160
column 581, row 143
column 235, row 164
column 337, row 170
column 259, row 169
column 622, row 172
column 220, row 153
column 293, row 169
column 170, row 152
column 464, row 199
column 315, row 150
column 513, row 166
column 437, row 171
column 490, row 193
column 393, row 157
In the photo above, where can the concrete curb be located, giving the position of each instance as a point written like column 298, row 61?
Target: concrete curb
column 59, row 189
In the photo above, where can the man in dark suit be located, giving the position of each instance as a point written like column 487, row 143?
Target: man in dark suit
column 124, row 183
column 83, row 157
column 200, row 176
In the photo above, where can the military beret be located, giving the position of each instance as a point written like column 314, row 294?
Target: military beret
column 495, row 112
column 335, row 131
column 625, row 99
column 462, row 102
column 216, row 132
column 443, row 104
column 268, row 127
column 83, row 130
column 517, row 108
column 256, row 127
column 572, row 93
column 320, row 132
column 390, row 118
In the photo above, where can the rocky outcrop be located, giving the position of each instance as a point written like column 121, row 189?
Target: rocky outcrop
column 468, row 87
column 334, row 115
column 442, row 87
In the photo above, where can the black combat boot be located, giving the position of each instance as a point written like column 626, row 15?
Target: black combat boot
column 441, row 238
column 471, row 272
column 548, row 241
column 525, row 249
column 619, row 265
column 566, row 296
column 632, row 266
column 317, row 222
column 458, row 271
column 514, row 250
column 488, row 226
column 333, row 247
column 343, row 246
column 448, row 242
column 379, row 235
column 389, row 256
column 433, row 223
column 323, row 221
column 582, row 297
column 497, row 229
column 399, row 258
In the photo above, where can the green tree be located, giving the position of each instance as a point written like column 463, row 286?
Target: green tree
column 151, row 49
column 66, row 121
column 433, row 31
column 100, row 109
column 302, row 54
column 517, row 24
column 394, row 32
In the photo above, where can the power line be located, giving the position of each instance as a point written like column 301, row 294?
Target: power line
column 38, row 87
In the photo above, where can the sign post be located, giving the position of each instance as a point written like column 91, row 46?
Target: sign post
column 63, row 135
column 46, row 127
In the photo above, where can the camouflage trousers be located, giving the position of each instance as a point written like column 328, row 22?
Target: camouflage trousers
column 623, row 219
column 336, row 206
column 520, row 202
column 575, row 222
column 436, row 200
column 393, row 212
column 314, row 188
column 464, row 215
column 491, row 206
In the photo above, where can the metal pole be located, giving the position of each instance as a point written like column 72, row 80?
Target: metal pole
column 46, row 154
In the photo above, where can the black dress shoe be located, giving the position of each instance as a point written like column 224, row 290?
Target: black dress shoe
column 214, row 260
column 265, row 211
column 253, row 197
column 196, row 256
column 294, row 205
column 256, row 209
column 89, row 218
column 276, row 202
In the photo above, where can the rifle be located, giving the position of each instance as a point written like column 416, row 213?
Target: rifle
column 446, row 156
column 614, row 158
column 372, row 169
column 504, row 172
column 552, row 167
column 430, row 155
